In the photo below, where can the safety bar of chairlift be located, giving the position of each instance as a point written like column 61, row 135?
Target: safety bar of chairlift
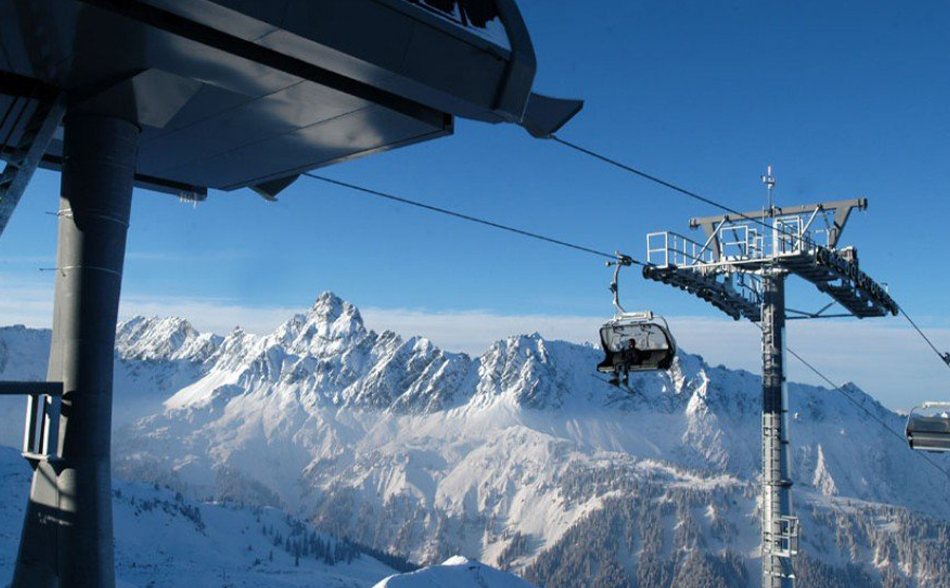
column 646, row 315
column 930, row 442
column 923, row 437
column 643, row 314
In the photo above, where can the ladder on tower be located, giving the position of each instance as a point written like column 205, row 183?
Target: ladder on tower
column 29, row 145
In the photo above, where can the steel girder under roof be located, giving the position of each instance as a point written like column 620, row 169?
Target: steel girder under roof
column 235, row 93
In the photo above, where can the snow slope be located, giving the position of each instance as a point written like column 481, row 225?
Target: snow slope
column 164, row 540
column 455, row 572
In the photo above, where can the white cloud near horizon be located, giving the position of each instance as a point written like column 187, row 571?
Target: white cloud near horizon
column 884, row 357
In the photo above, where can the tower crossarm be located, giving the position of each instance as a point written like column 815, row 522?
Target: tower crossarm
column 841, row 209
column 734, row 294
column 731, row 286
column 843, row 280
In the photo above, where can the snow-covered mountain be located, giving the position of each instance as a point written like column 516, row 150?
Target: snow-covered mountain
column 457, row 572
column 165, row 540
column 521, row 457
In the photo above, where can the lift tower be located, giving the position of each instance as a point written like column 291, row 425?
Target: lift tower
column 741, row 268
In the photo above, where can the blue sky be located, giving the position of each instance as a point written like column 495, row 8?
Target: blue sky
column 844, row 102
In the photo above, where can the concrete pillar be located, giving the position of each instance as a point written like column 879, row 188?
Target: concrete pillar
column 67, row 537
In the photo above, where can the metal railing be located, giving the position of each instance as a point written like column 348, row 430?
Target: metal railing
column 788, row 236
column 732, row 242
column 740, row 242
column 666, row 248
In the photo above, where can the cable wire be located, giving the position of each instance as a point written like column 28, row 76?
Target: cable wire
column 681, row 190
column 544, row 238
column 945, row 358
column 902, row 438
column 651, row 177
column 452, row 213
column 863, row 408
column 388, row 196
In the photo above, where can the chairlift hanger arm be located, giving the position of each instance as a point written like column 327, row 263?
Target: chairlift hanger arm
column 622, row 260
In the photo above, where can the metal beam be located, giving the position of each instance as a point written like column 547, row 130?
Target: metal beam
column 31, row 388
column 146, row 182
column 823, row 316
column 188, row 29
column 723, row 295
column 859, row 203
column 841, row 218
column 18, row 86
column 32, row 144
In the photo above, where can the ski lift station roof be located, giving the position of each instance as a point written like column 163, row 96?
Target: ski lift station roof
column 238, row 93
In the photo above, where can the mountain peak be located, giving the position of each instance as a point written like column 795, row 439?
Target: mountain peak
column 330, row 309
column 329, row 305
column 328, row 323
column 162, row 338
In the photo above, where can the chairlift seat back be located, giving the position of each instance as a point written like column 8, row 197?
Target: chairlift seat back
column 635, row 343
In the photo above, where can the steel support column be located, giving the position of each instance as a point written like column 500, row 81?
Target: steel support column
column 67, row 537
column 776, row 482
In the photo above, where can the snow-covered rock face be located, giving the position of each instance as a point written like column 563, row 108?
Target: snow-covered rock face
column 396, row 443
column 163, row 339
column 327, row 357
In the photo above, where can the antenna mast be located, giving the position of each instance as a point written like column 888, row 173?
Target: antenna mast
column 769, row 180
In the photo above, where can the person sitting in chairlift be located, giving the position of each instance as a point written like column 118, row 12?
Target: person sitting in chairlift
column 632, row 354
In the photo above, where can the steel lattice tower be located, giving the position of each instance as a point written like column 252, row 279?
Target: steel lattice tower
column 741, row 269
column 776, row 478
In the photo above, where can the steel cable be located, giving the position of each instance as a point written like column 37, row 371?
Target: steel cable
column 945, row 358
column 522, row 232
column 863, row 408
column 459, row 215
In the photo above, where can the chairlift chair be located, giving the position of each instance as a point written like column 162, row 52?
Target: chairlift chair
column 929, row 432
column 634, row 341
